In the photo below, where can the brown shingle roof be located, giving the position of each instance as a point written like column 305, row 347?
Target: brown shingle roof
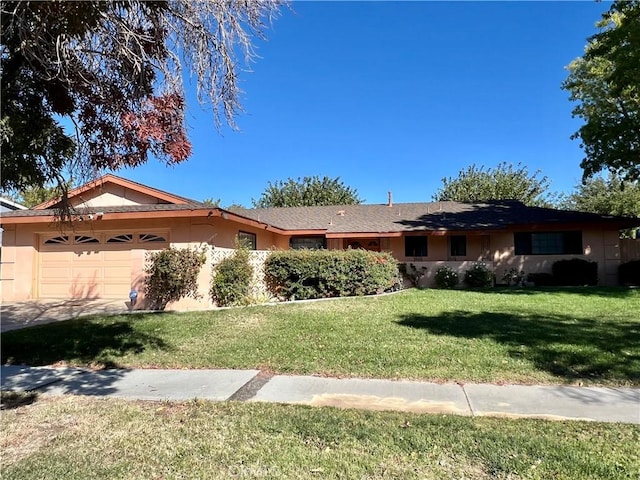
column 421, row 216
column 401, row 217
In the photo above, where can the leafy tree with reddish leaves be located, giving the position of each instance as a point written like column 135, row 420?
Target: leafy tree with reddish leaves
column 94, row 85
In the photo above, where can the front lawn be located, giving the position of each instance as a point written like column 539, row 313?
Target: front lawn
column 582, row 335
column 87, row 438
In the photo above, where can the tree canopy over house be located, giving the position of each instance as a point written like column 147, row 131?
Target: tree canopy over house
column 306, row 192
column 113, row 73
column 504, row 182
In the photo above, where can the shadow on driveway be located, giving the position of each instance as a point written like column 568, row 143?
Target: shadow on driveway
column 16, row 315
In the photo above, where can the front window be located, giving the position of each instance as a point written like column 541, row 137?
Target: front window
column 415, row 246
column 458, row 244
column 311, row 243
column 548, row 243
column 247, row 239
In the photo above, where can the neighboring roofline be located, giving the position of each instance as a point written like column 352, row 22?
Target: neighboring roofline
column 123, row 182
column 11, row 203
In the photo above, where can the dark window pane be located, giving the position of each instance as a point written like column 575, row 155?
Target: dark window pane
column 458, row 245
column 313, row 243
column 573, row 243
column 548, row 243
column 522, row 243
column 415, row 246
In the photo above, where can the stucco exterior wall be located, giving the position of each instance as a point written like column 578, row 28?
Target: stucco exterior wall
column 112, row 195
column 438, row 249
column 598, row 246
column 20, row 253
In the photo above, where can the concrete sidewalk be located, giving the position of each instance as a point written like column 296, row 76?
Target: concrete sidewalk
column 549, row 402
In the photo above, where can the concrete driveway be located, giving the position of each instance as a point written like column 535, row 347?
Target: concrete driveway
column 15, row 315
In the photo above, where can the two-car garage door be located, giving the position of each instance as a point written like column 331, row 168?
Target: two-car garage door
column 96, row 265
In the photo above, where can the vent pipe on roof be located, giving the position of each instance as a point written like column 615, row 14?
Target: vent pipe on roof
column 390, row 204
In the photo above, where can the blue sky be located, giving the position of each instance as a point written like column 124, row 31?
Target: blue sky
column 394, row 96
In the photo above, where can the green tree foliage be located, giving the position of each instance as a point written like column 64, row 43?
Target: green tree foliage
column 172, row 274
column 35, row 195
column 606, row 196
column 605, row 82
column 307, row 191
column 32, row 196
column 211, row 202
column 114, row 70
column 504, row 182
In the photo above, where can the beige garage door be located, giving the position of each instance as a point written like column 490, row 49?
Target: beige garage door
column 91, row 266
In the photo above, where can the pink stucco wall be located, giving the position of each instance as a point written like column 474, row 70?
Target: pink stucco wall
column 21, row 252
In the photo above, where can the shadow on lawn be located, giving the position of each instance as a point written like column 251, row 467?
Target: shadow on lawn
column 609, row 292
column 82, row 341
column 569, row 348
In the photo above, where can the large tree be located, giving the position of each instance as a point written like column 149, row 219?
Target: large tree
column 35, row 195
column 606, row 196
column 307, row 191
column 504, row 182
column 605, row 82
column 95, row 85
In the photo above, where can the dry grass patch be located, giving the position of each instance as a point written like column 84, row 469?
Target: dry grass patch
column 88, row 438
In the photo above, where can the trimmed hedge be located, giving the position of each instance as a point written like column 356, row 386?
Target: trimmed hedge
column 575, row 272
column 231, row 279
column 629, row 273
column 305, row 274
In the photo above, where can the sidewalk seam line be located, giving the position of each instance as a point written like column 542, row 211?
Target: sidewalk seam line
column 473, row 414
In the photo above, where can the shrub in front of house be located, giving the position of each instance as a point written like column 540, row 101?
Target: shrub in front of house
column 172, row 274
column 629, row 273
column 478, row 276
column 446, row 277
column 575, row 272
column 231, row 279
column 305, row 274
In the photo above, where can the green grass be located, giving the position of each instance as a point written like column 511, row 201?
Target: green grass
column 86, row 438
column 581, row 335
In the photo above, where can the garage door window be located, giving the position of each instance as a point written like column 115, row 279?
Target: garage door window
column 124, row 238
column 151, row 237
column 80, row 239
column 62, row 240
